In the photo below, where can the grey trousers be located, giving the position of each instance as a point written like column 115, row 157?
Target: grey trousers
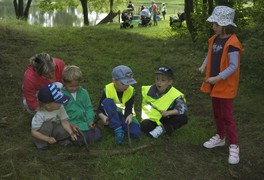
column 52, row 129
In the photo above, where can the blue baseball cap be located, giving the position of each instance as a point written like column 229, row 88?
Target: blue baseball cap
column 51, row 93
column 124, row 74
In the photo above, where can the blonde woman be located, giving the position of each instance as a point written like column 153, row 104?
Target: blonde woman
column 42, row 70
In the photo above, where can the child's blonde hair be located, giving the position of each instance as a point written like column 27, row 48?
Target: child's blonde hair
column 71, row 73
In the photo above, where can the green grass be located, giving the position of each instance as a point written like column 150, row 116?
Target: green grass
column 96, row 50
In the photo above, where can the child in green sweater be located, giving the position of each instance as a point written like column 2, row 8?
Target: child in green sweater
column 79, row 108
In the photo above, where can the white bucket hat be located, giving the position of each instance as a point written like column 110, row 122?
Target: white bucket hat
column 223, row 16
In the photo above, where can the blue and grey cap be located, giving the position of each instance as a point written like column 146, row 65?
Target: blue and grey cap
column 51, row 93
column 123, row 74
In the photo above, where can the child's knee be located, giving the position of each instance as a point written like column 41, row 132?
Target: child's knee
column 108, row 102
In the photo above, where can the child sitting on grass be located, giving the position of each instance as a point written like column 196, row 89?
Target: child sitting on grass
column 79, row 108
column 163, row 106
column 50, row 123
column 116, row 104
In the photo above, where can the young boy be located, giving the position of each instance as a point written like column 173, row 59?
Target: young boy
column 50, row 123
column 79, row 108
column 163, row 106
column 116, row 104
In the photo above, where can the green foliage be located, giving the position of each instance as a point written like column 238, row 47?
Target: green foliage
column 93, row 5
column 96, row 50
column 50, row 5
column 248, row 16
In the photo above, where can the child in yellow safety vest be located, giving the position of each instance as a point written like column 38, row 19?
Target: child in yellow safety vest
column 116, row 104
column 163, row 106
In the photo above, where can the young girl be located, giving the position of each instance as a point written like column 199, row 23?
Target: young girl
column 221, row 81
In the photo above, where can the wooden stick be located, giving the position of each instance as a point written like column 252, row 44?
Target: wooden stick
column 84, row 139
column 128, row 135
column 96, row 153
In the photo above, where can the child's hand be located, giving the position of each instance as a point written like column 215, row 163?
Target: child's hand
column 74, row 128
column 51, row 140
column 129, row 119
column 105, row 120
column 202, row 68
column 165, row 113
column 73, row 136
column 213, row 80
column 92, row 125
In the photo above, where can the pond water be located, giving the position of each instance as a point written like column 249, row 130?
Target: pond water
column 68, row 17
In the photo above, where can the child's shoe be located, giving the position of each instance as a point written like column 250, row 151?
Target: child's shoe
column 155, row 133
column 214, row 142
column 233, row 154
column 43, row 148
column 119, row 136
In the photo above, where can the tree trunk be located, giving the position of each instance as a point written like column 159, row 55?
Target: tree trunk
column 111, row 5
column 211, row 6
column 109, row 17
column 19, row 9
column 27, row 9
column 204, row 8
column 188, row 8
column 16, row 7
column 85, row 12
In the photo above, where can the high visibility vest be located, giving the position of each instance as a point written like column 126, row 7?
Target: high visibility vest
column 224, row 88
column 151, row 107
column 163, row 9
column 111, row 93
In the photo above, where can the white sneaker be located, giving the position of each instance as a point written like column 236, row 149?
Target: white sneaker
column 155, row 133
column 214, row 142
column 233, row 154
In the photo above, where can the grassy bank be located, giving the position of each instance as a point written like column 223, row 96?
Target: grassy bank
column 96, row 50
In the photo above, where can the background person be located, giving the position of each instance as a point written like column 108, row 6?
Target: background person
column 131, row 8
column 163, row 10
column 155, row 13
column 42, row 70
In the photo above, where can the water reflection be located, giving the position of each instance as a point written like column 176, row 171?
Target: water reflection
column 68, row 17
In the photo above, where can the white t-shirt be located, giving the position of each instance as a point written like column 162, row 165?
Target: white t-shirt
column 42, row 116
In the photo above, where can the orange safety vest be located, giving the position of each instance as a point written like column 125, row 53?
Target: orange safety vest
column 224, row 88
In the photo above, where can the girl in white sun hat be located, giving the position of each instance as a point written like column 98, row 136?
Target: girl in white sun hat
column 222, row 66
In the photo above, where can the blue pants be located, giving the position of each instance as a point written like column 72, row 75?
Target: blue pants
column 91, row 136
column 117, row 119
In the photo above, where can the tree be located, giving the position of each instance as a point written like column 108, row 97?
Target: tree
column 188, row 9
column 111, row 15
column 21, row 13
column 85, row 12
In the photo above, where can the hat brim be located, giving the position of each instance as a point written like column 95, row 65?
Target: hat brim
column 213, row 18
column 64, row 100
column 163, row 73
column 128, row 81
